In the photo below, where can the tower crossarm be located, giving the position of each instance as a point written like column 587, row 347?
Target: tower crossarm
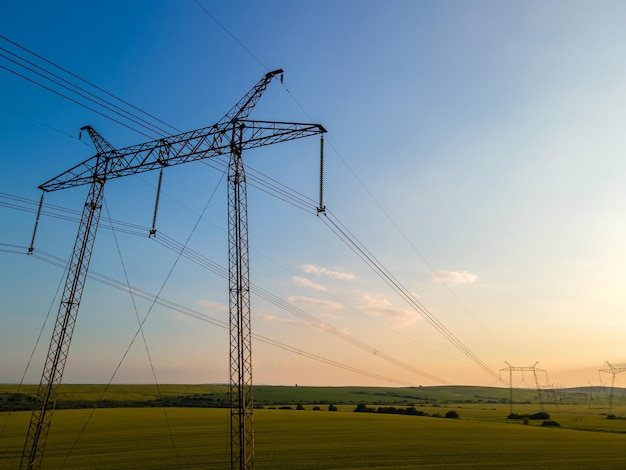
column 149, row 155
column 190, row 146
column 612, row 369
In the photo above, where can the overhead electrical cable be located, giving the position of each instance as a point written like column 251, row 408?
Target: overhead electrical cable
column 221, row 271
column 141, row 322
column 147, row 349
column 83, row 93
column 296, row 311
column 263, row 185
column 96, row 87
column 374, row 264
column 41, row 330
column 233, row 37
column 364, row 254
column 36, row 121
column 174, row 306
column 75, row 101
column 369, row 259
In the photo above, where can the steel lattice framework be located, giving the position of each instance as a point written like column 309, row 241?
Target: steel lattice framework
column 241, row 417
column 534, row 369
column 233, row 134
column 613, row 371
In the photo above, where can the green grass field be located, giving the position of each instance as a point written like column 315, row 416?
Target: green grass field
column 163, row 438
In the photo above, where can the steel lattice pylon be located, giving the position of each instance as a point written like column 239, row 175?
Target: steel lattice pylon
column 240, row 387
column 523, row 369
column 233, row 133
column 613, row 371
column 58, row 350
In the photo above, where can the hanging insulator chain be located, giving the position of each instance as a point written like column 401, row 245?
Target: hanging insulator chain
column 153, row 230
column 31, row 248
column 162, row 159
column 321, row 209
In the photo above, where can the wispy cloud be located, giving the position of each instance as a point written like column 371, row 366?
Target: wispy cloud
column 208, row 304
column 301, row 281
column 310, row 301
column 453, row 278
column 380, row 307
column 273, row 318
column 318, row 270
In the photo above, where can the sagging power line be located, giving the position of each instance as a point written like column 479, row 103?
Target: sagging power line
column 288, row 195
column 46, row 74
column 200, row 260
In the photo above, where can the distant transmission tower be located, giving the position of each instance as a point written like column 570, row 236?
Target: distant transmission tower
column 233, row 134
column 613, row 371
column 523, row 369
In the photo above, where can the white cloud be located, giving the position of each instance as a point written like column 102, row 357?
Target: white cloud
column 273, row 318
column 210, row 305
column 453, row 278
column 301, row 281
column 313, row 269
column 318, row 302
column 380, row 307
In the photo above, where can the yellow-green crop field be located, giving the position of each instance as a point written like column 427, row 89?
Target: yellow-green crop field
column 187, row 438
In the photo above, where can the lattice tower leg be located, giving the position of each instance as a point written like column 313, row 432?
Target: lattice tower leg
column 45, row 401
column 241, row 399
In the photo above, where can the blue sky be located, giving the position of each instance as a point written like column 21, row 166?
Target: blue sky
column 474, row 147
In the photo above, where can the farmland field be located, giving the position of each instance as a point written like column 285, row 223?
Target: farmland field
column 198, row 437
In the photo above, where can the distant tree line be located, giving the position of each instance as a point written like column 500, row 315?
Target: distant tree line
column 411, row 410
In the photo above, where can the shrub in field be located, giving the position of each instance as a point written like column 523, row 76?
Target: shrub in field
column 452, row 414
column 299, row 407
column 362, row 408
column 552, row 424
column 316, row 408
column 414, row 412
column 540, row 415
column 332, row 407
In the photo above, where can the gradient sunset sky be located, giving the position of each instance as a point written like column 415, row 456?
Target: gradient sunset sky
column 475, row 148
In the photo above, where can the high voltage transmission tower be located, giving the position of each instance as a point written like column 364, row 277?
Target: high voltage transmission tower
column 523, row 369
column 231, row 135
column 613, row 371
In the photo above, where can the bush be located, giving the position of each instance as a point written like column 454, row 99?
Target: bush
column 332, row 407
column 552, row 424
column 452, row 414
column 299, row 407
column 316, row 408
column 540, row 415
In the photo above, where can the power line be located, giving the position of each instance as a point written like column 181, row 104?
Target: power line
column 215, row 268
column 282, row 192
column 369, row 259
column 174, row 306
column 87, row 82
column 83, row 93
column 75, row 101
column 364, row 254
column 233, row 37
column 36, row 121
